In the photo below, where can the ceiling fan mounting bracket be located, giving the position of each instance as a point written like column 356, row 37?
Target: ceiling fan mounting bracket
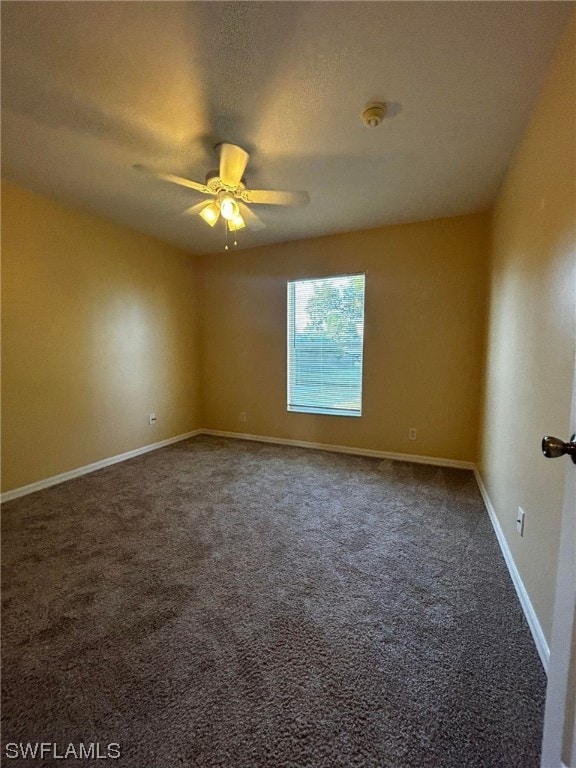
column 244, row 195
column 215, row 184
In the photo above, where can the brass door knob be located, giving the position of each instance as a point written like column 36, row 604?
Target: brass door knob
column 552, row 447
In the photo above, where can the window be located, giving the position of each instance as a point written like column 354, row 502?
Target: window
column 325, row 336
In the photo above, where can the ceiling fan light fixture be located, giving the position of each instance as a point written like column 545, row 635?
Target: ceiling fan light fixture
column 211, row 213
column 229, row 207
column 236, row 223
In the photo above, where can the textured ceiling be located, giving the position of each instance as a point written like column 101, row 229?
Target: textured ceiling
column 91, row 88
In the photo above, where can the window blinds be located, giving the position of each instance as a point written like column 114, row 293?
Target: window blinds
column 325, row 340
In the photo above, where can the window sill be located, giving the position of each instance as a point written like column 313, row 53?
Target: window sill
column 323, row 411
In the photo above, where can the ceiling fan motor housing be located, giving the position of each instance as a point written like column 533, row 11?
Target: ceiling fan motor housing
column 216, row 185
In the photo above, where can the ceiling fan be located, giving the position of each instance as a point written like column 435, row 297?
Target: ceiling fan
column 230, row 196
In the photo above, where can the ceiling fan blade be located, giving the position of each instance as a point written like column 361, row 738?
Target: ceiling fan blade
column 233, row 161
column 275, row 197
column 194, row 209
column 176, row 180
column 252, row 221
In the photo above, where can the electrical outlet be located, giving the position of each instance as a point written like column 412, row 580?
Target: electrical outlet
column 151, row 418
column 520, row 521
column 242, row 415
column 412, row 433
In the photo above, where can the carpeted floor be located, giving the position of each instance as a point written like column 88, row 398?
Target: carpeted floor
column 236, row 604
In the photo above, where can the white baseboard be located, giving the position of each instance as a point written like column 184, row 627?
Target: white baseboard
column 529, row 612
column 79, row 471
column 438, row 462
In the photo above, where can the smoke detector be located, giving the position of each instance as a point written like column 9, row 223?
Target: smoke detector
column 373, row 114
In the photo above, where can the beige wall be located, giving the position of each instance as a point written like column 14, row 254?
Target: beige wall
column 530, row 359
column 425, row 305
column 98, row 330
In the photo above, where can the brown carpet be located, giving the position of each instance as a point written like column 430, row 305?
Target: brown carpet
column 235, row 604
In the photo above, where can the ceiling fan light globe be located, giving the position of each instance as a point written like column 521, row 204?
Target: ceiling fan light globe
column 236, row 223
column 229, row 208
column 210, row 214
